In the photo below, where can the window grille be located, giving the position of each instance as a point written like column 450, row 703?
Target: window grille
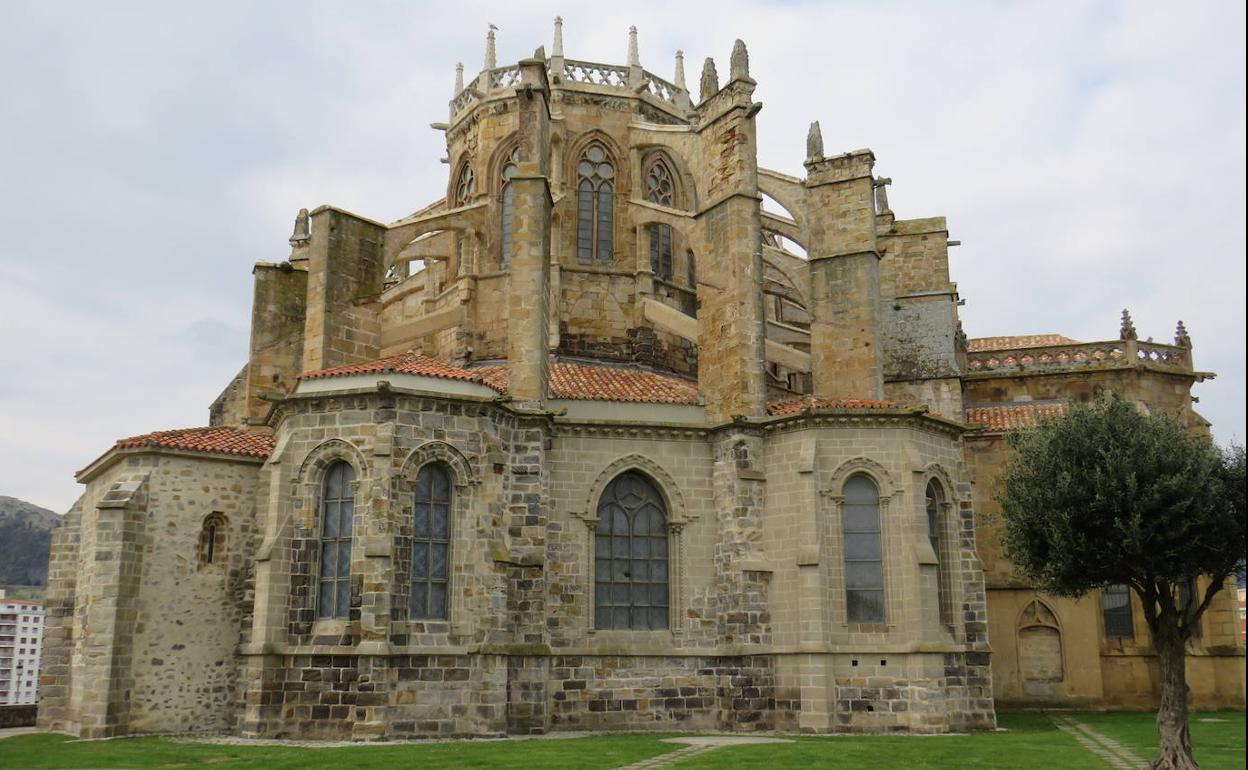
column 631, row 556
column 864, row 564
column 337, row 517
column 431, row 543
column 1116, row 609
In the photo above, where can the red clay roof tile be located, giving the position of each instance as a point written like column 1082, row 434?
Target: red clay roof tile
column 980, row 344
column 1005, row 417
column 410, row 362
column 602, row 382
column 227, row 441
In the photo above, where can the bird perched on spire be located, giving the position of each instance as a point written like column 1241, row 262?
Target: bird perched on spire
column 493, row 27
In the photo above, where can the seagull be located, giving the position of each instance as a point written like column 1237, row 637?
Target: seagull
column 493, row 27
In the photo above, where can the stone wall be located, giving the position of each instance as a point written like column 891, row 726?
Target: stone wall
column 17, row 716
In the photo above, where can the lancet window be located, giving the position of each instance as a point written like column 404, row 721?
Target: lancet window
column 660, row 190
column 864, row 561
column 431, row 543
column 510, row 169
column 337, row 516
column 631, row 556
column 465, row 186
column 940, row 546
column 595, row 207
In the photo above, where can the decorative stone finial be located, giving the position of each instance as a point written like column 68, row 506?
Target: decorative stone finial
column 740, row 62
column 881, row 195
column 679, row 78
column 303, row 231
column 540, row 53
column 710, row 80
column 1181, row 337
column 558, row 49
column 634, row 59
column 1127, row 331
column 491, row 58
column 459, row 77
column 814, row 142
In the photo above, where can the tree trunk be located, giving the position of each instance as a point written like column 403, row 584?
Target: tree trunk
column 1176, row 745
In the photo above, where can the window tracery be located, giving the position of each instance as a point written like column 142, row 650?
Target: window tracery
column 510, row 169
column 661, row 190
column 595, row 207
column 465, row 186
column 631, row 581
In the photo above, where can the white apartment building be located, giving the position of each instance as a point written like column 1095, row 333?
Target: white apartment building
column 21, row 636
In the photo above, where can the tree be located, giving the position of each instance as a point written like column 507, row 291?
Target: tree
column 1110, row 495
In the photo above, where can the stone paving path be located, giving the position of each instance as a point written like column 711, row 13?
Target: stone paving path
column 695, row 745
column 1118, row 756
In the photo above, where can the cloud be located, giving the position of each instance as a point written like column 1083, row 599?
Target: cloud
column 1090, row 156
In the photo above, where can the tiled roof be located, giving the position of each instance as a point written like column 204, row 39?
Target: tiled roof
column 601, row 382
column 410, row 362
column 225, row 441
column 980, row 344
column 1009, row 416
column 795, row 405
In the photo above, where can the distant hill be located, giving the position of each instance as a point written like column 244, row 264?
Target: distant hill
column 25, row 538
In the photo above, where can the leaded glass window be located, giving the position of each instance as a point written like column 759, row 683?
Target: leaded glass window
column 595, row 207
column 1116, row 609
column 337, row 515
column 630, row 556
column 431, row 543
column 864, row 563
column 508, row 207
column 935, row 506
column 465, row 186
column 659, row 189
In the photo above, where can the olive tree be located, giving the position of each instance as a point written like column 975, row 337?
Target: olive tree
column 1110, row 495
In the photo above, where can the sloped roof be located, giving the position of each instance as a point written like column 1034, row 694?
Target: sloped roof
column 225, row 441
column 604, row 382
column 1003, row 417
column 980, row 344
column 410, row 362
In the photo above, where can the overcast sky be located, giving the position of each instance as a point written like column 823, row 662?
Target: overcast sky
column 1089, row 156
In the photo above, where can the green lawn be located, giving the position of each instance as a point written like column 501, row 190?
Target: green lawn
column 1217, row 737
column 1029, row 741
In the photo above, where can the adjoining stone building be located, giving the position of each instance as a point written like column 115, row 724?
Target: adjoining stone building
column 586, row 444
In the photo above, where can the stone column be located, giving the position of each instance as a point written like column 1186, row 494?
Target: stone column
column 845, row 277
column 345, row 274
column 278, row 315
column 730, row 316
column 112, row 610
column 530, row 241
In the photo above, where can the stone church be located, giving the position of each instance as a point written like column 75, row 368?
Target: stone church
column 600, row 441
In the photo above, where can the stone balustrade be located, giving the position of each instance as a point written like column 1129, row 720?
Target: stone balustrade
column 1120, row 353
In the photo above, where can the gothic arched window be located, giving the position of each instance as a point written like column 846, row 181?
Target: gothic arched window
column 431, row 543
column 510, row 169
column 864, row 560
column 337, row 515
column 630, row 556
column 465, row 186
column 940, row 547
column 212, row 539
column 660, row 190
column 595, row 206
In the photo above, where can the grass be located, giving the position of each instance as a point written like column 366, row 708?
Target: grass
column 1217, row 745
column 1029, row 742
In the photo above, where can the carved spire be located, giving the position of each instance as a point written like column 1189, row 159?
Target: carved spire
column 459, row 77
column 303, row 231
column 1181, row 337
column 679, row 79
column 558, row 49
column 739, row 64
column 814, row 142
column 1127, row 331
column 491, row 58
column 881, row 195
column 710, row 80
column 634, row 59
